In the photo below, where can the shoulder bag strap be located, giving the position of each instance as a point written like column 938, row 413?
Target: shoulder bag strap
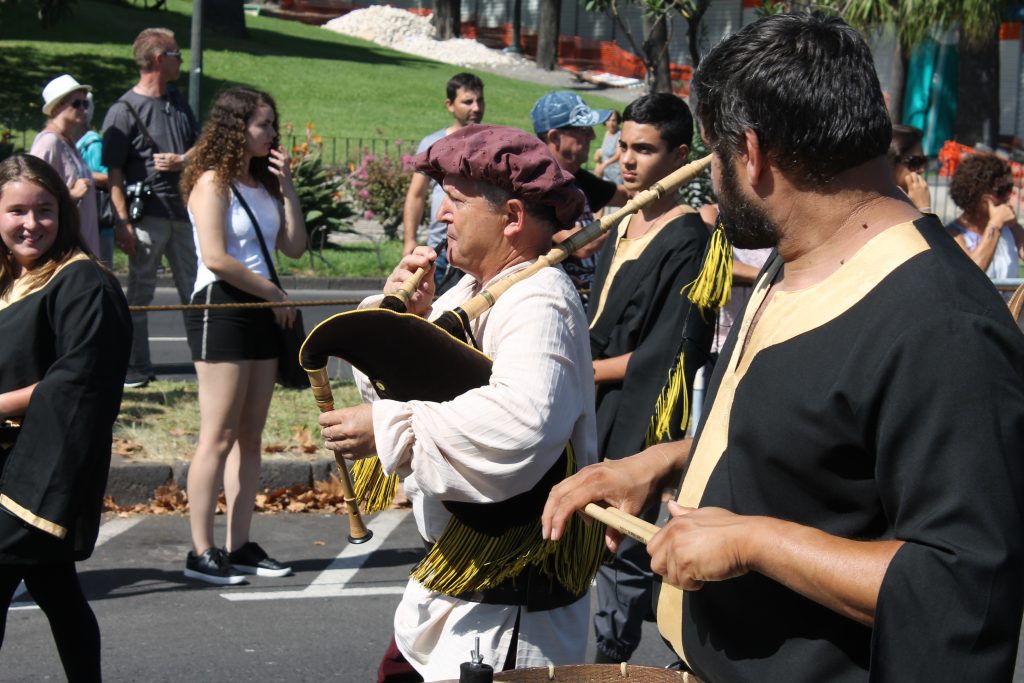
column 142, row 126
column 259, row 235
column 156, row 150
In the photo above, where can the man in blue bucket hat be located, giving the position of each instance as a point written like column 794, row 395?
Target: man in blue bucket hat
column 565, row 123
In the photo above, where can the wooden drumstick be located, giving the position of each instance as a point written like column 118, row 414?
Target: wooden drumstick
column 638, row 529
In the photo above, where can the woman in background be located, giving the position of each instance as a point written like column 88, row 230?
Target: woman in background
column 90, row 146
column 987, row 229
column 67, row 334
column 64, row 103
column 607, row 156
column 238, row 186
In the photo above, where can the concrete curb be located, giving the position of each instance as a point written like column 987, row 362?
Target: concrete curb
column 133, row 483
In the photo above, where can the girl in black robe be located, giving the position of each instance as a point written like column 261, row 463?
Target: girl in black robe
column 66, row 334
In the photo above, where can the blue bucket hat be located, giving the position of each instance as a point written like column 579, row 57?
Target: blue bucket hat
column 563, row 109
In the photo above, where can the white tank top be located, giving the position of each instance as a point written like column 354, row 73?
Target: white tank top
column 240, row 241
column 1005, row 262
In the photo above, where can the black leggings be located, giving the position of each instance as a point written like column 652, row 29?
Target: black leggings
column 56, row 590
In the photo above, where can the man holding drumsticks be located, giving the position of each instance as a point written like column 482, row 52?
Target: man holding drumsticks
column 504, row 198
column 842, row 516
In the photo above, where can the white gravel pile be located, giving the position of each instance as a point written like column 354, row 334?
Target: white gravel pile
column 407, row 32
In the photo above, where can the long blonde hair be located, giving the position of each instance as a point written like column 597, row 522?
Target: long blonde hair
column 30, row 169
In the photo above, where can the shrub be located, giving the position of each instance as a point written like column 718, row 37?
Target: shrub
column 321, row 189
column 377, row 187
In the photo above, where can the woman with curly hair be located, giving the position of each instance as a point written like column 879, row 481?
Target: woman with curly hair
column 987, row 229
column 67, row 334
column 237, row 182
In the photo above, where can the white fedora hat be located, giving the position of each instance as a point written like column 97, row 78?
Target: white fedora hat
column 57, row 89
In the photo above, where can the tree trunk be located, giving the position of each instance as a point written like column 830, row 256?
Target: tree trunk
column 548, row 27
column 659, row 78
column 224, row 17
column 898, row 82
column 447, row 19
column 977, row 109
column 693, row 31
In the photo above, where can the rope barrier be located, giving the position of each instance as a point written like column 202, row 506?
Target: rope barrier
column 254, row 304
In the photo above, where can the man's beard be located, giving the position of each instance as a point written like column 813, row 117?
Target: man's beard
column 746, row 225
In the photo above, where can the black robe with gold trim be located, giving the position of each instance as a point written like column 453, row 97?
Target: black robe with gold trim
column 72, row 336
column 886, row 402
column 646, row 313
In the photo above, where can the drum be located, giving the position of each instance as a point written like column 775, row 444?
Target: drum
column 594, row 673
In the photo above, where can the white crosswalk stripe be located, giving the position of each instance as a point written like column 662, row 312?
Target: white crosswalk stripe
column 333, row 581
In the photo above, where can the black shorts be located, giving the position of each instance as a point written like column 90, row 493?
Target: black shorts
column 218, row 334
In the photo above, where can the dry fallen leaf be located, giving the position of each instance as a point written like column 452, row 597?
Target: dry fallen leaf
column 324, row 496
column 302, row 436
column 124, row 447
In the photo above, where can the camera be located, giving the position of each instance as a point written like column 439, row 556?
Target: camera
column 137, row 193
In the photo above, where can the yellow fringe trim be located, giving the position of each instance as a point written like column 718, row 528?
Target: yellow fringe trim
column 373, row 488
column 674, row 391
column 713, row 286
column 467, row 560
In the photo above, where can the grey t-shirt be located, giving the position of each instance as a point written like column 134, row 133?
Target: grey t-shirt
column 436, row 231
column 173, row 128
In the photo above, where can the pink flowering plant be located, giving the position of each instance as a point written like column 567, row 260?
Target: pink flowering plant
column 377, row 185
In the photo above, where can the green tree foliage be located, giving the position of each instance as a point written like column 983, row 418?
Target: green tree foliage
column 913, row 20
column 48, row 12
column 652, row 47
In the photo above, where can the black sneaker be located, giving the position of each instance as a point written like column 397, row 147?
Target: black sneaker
column 136, row 380
column 251, row 559
column 212, row 566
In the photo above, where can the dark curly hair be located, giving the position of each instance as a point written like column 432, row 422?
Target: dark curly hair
column 976, row 176
column 221, row 146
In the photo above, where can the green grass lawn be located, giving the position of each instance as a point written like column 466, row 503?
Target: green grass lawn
column 160, row 422
column 344, row 86
column 358, row 259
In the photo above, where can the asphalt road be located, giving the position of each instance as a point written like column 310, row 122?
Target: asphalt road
column 331, row 620
column 169, row 350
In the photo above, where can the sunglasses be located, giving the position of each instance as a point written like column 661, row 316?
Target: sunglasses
column 914, row 162
column 78, row 104
column 173, row 53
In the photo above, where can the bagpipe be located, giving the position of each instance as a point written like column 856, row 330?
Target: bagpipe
column 391, row 347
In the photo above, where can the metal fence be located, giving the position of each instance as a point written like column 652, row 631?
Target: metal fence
column 344, row 150
column 335, row 150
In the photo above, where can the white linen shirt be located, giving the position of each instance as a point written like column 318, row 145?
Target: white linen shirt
column 487, row 445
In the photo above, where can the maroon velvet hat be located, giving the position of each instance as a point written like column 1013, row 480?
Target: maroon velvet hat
column 508, row 158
